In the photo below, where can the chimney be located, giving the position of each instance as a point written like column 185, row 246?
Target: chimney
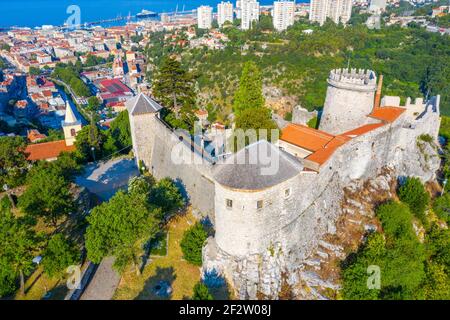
column 378, row 94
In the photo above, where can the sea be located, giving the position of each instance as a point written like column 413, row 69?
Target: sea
column 36, row 13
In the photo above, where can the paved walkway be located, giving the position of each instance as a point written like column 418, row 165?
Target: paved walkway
column 104, row 283
column 105, row 178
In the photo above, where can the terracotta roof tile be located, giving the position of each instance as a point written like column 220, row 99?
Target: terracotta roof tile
column 48, row 150
column 305, row 137
column 362, row 130
column 387, row 114
column 322, row 155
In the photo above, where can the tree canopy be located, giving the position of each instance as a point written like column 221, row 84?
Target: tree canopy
column 13, row 162
column 174, row 87
column 192, row 243
column 19, row 243
column 59, row 254
column 119, row 228
column 249, row 95
column 47, row 195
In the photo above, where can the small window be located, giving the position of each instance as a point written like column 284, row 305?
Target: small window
column 287, row 193
column 259, row 204
column 229, row 203
column 73, row 133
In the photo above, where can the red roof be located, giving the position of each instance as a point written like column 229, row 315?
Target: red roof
column 305, row 137
column 387, row 114
column 35, row 135
column 362, row 130
column 48, row 150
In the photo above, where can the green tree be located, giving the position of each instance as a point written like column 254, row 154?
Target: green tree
column 34, row 71
column 166, row 195
column 47, row 195
column 94, row 103
column 59, row 254
column 119, row 228
column 398, row 253
column 13, row 162
column 19, row 244
column 437, row 283
column 174, row 87
column 192, row 244
column 201, row 292
column 120, row 130
column 87, row 138
column 141, row 186
column 441, row 206
column 249, row 94
column 413, row 193
column 259, row 120
column 438, row 246
column 7, row 278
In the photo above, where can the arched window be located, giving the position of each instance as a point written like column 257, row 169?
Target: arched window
column 73, row 132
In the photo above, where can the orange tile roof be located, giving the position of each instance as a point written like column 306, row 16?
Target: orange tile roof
column 48, row 150
column 34, row 135
column 201, row 112
column 362, row 130
column 387, row 114
column 323, row 154
column 305, row 137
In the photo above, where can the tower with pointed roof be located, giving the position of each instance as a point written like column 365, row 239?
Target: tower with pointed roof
column 143, row 111
column 71, row 125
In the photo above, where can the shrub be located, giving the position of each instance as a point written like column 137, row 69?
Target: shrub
column 413, row 193
column 396, row 220
column 8, row 283
column 201, row 292
column 313, row 123
column 441, row 206
column 165, row 194
column 192, row 244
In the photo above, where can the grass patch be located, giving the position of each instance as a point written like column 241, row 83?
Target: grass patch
column 158, row 246
column 172, row 268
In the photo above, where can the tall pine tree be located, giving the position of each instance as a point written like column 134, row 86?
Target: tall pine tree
column 249, row 94
column 174, row 87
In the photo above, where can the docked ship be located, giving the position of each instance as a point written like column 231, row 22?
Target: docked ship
column 146, row 14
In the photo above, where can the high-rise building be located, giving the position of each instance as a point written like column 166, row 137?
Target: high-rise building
column 377, row 5
column 238, row 9
column 204, row 17
column 224, row 12
column 283, row 14
column 249, row 13
column 336, row 10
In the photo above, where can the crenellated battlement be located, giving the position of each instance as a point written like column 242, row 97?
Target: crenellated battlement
column 353, row 78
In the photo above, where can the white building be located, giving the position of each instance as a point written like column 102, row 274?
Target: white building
column 238, row 9
column 283, row 14
column 336, row 10
column 377, row 5
column 204, row 17
column 249, row 13
column 224, row 12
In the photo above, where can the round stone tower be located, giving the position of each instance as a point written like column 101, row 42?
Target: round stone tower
column 350, row 98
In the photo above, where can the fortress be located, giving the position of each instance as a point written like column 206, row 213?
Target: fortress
column 268, row 224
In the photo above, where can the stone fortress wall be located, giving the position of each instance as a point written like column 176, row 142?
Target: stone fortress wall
column 164, row 156
column 253, row 247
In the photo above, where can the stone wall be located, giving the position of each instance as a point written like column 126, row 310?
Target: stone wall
column 288, row 231
column 164, row 155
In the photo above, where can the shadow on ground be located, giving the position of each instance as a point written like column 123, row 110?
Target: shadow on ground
column 105, row 178
column 159, row 286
